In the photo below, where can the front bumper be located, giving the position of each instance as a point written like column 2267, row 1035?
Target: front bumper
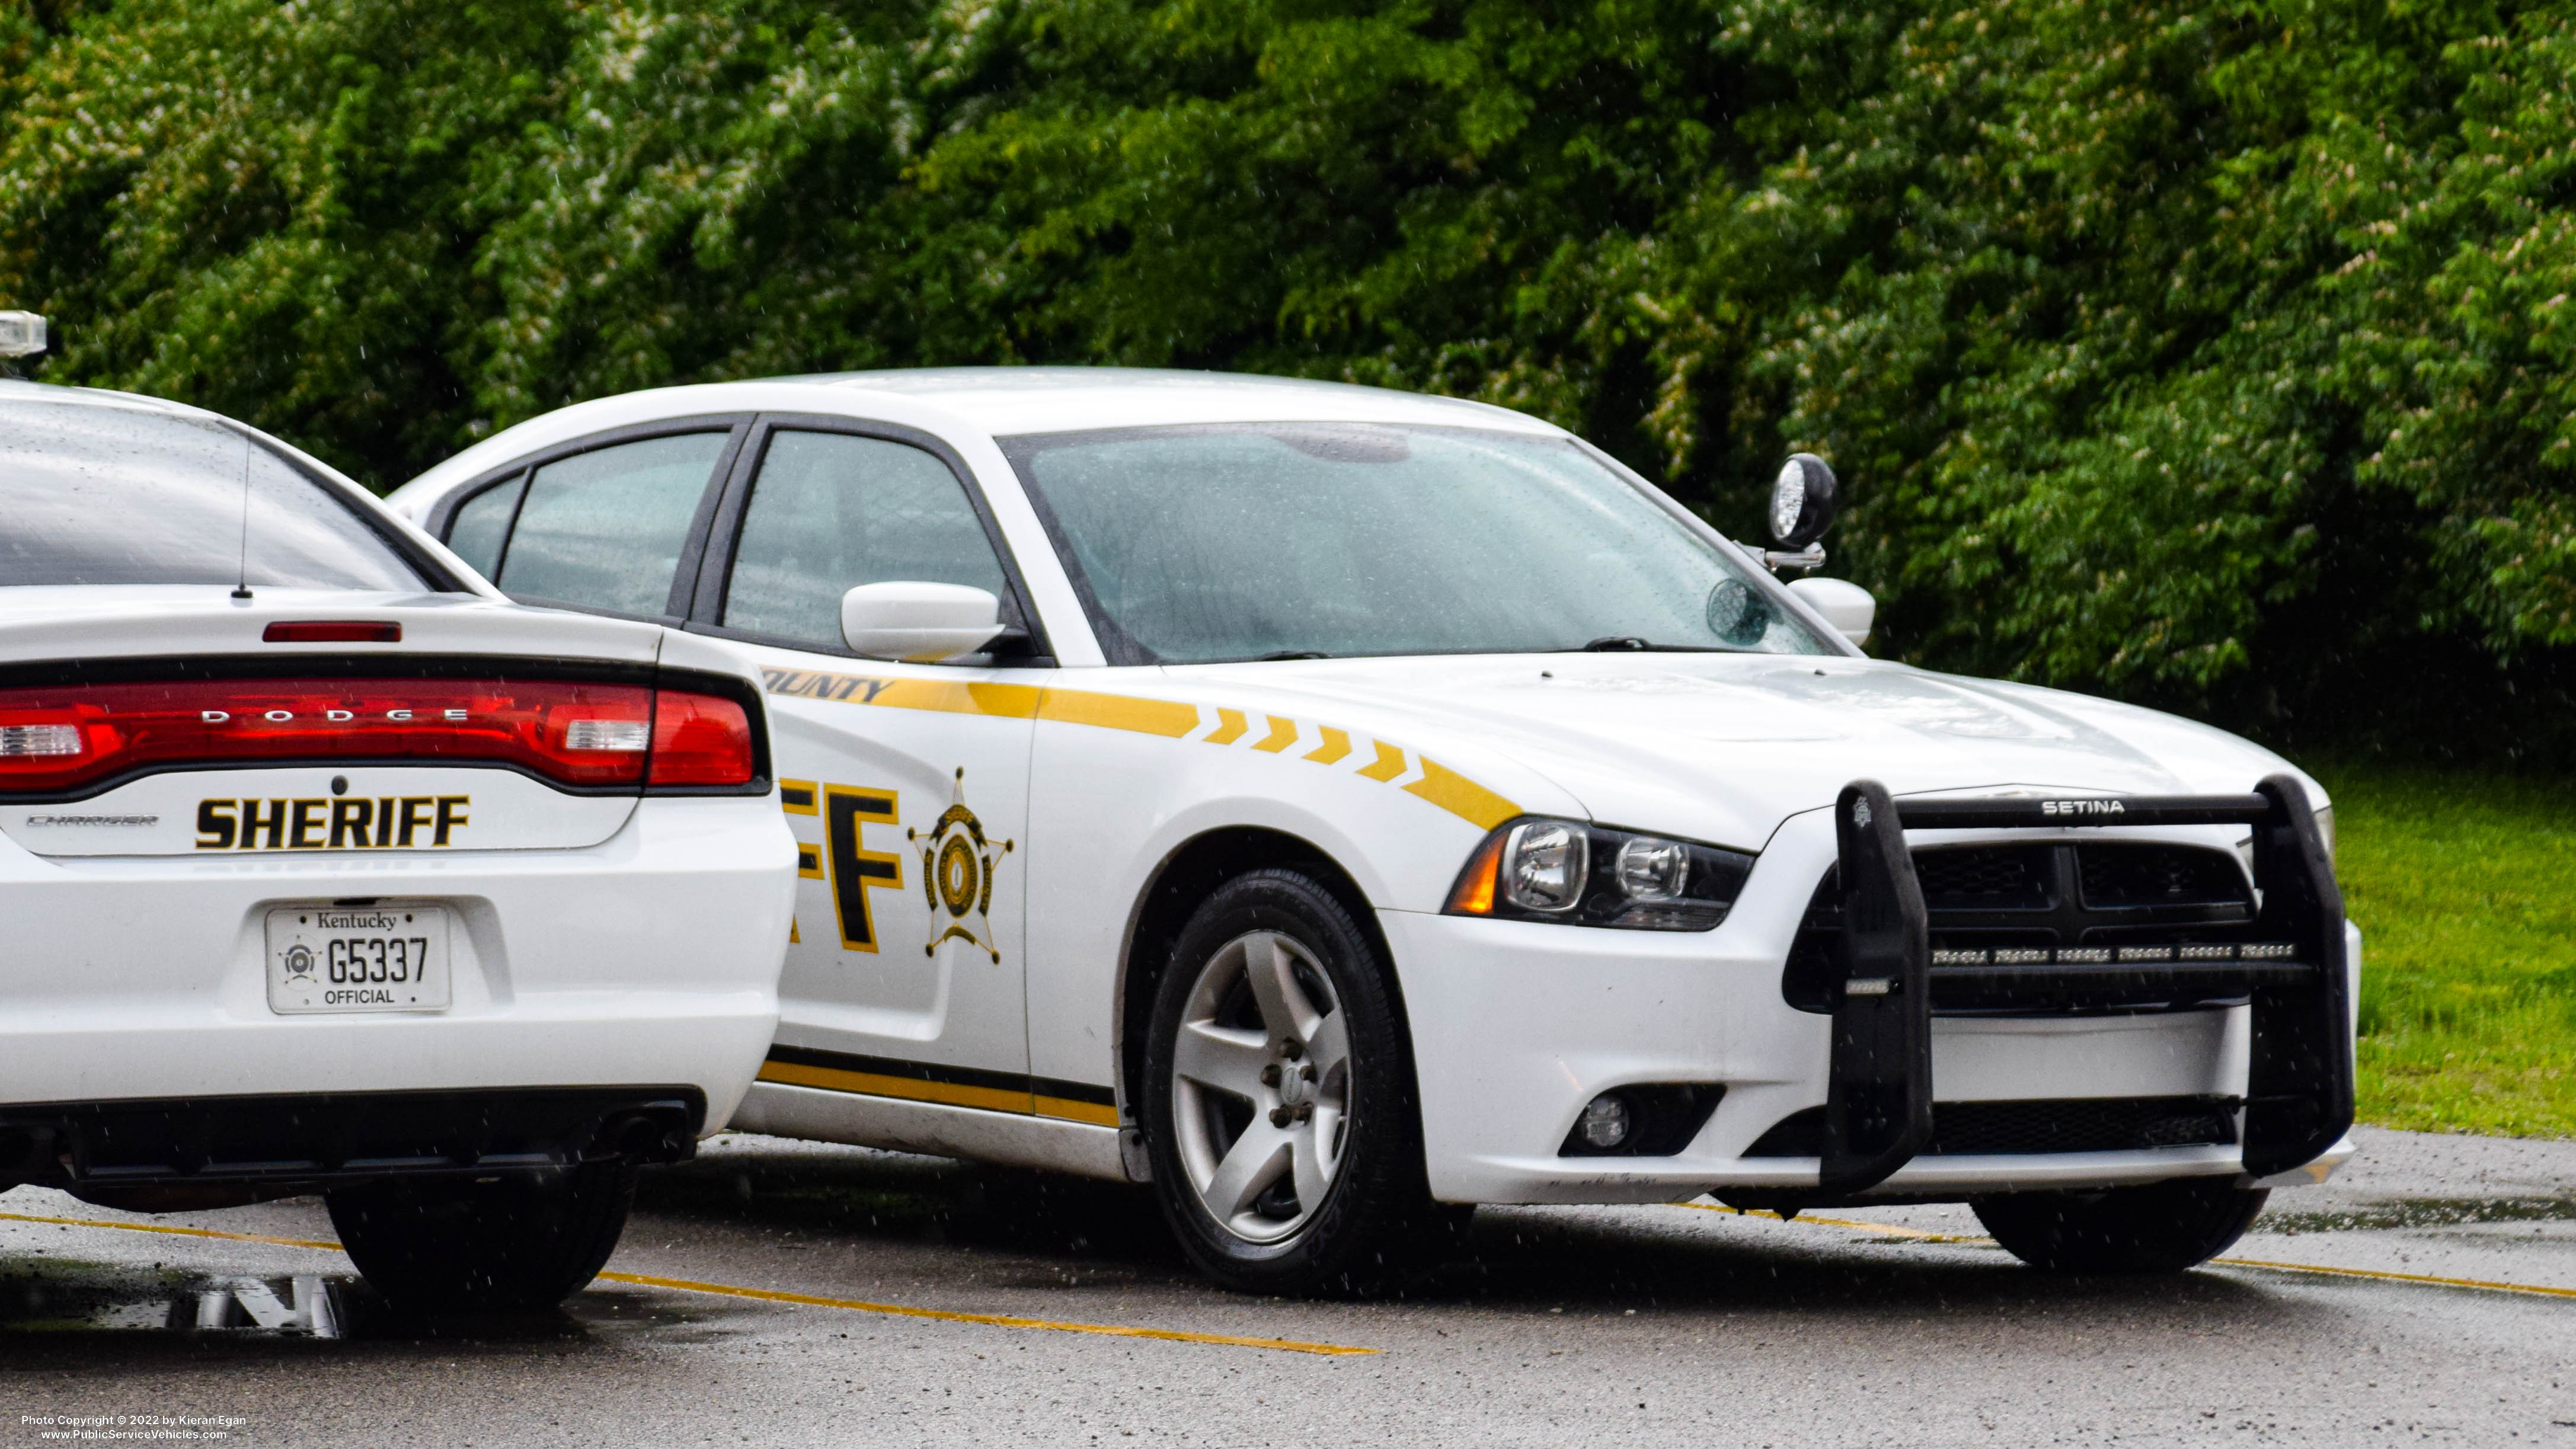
column 652, row 958
column 1517, row 1025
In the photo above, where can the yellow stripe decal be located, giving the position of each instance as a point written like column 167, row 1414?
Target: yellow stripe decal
column 1170, row 719
column 796, row 797
column 1098, row 1114
column 1390, row 763
column 1461, row 796
column 1119, row 712
column 1283, row 733
column 771, row 1295
column 910, row 1089
column 945, row 696
column 990, row 1320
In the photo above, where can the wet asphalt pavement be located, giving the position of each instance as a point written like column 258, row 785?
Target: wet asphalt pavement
column 1557, row 1326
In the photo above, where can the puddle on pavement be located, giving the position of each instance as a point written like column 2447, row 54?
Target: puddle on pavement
column 59, row 1296
column 71, row 1297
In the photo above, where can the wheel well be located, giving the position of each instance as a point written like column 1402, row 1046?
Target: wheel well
column 1193, row 871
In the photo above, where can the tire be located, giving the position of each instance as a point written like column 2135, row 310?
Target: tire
column 1235, row 1162
column 449, row 1245
column 2163, row 1227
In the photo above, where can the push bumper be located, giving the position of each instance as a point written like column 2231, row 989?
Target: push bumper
column 1517, row 1025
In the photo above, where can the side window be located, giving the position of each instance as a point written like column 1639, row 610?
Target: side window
column 481, row 523
column 604, row 528
column 829, row 512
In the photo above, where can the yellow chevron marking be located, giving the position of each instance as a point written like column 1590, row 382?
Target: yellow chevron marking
column 1229, row 727
column 1283, row 733
column 1336, row 744
column 1390, row 763
column 1461, row 796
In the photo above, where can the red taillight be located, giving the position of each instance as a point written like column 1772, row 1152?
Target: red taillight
column 700, row 739
column 332, row 631
column 58, row 740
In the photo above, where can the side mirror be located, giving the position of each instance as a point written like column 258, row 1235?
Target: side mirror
column 1844, row 604
column 1802, row 501
column 922, row 623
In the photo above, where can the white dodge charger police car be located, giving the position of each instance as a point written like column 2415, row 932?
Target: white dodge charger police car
column 1336, row 806
column 325, row 868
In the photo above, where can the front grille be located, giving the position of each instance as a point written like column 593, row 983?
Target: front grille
column 2116, row 877
column 2062, row 926
column 2016, row 878
column 2002, row 1129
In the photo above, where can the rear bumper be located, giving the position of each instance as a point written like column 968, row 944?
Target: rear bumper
column 265, row 1146
column 650, row 958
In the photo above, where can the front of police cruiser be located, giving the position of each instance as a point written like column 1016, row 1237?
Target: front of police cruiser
column 325, row 868
column 1680, row 890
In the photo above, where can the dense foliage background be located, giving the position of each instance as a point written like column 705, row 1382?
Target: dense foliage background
column 2210, row 354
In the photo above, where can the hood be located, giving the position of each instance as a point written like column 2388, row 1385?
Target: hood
column 1724, row 747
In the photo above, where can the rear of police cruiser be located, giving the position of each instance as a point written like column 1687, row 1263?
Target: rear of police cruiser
column 324, row 868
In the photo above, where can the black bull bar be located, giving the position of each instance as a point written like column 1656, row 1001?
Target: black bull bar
column 1878, row 1102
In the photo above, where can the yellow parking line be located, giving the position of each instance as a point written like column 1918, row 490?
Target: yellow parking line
column 1883, row 1229
column 992, row 1320
column 173, row 1231
column 2427, row 1278
column 1920, row 1236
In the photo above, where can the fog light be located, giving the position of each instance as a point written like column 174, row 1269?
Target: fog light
column 1605, row 1121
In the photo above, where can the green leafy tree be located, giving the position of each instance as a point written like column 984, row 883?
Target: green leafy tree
column 2209, row 354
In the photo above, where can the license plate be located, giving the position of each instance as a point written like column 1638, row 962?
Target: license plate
column 357, row 958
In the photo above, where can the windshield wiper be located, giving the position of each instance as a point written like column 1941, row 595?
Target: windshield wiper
column 1290, row 654
column 1630, row 643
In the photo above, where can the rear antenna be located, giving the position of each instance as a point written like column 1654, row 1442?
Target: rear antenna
column 241, row 575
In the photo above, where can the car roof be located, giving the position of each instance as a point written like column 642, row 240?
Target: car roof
column 999, row 402
column 1006, row 401
column 20, row 390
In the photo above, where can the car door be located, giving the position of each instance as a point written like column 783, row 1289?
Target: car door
column 906, row 783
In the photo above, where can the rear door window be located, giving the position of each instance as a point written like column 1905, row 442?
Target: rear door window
column 603, row 529
column 482, row 524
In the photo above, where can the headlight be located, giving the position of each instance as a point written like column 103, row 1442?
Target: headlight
column 1583, row 875
column 2325, row 827
column 1545, row 864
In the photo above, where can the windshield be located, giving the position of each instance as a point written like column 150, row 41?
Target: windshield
column 99, row 494
column 1199, row 544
